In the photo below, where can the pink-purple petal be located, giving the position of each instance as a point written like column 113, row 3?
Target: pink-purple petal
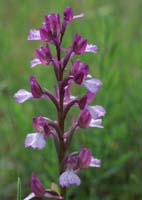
column 69, row 178
column 34, row 35
column 22, row 95
column 35, row 140
column 35, row 62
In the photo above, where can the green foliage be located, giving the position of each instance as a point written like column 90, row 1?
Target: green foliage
column 115, row 26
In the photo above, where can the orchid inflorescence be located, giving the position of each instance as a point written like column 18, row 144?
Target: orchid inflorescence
column 51, row 33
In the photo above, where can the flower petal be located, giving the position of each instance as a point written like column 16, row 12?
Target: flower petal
column 95, row 162
column 78, row 16
column 69, row 178
column 52, row 194
column 22, row 95
column 96, row 111
column 34, row 35
column 35, row 140
column 91, row 48
column 96, row 123
column 30, row 196
column 93, row 85
column 35, row 62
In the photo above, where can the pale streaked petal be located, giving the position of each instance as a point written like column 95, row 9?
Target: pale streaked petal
column 35, row 140
column 69, row 178
column 52, row 194
column 78, row 16
column 95, row 162
column 22, row 95
column 89, row 76
column 35, row 62
column 30, row 196
column 96, row 123
column 91, row 48
column 93, row 85
column 96, row 111
column 34, row 35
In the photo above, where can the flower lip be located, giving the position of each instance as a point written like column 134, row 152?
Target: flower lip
column 91, row 48
column 93, row 85
column 35, row 62
column 35, row 140
column 95, row 162
column 69, row 178
column 96, row 111
column 22, row 95
column 34, row 35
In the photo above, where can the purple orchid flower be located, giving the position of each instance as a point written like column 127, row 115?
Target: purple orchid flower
column 44, row 56
column 69, row 15
column 38, row 139
column 51, row 33
column 91, row 117
column 23, row 95
column 75, row 162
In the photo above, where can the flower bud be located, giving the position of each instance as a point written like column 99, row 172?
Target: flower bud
column 79, row 71
column 82, row 102
column 84, row 119
column 79, row 44
column 37, row 186
column 41, row 126
column 84, row 158
column 45, row 34
column 68, row 14
column 44, row 54
column 35, row 88
column 53, row 23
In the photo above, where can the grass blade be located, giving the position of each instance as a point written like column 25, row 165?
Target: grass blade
column 19, row 189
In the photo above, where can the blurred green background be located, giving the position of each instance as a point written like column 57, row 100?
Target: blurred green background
column 115, row 26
